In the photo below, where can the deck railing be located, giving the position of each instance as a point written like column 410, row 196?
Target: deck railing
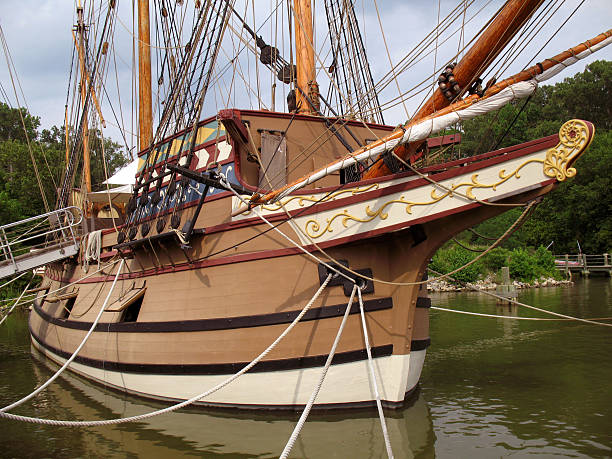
column 584, row 263
column 47, row 237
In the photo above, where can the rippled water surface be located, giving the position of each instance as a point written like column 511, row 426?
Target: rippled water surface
column 490, row 388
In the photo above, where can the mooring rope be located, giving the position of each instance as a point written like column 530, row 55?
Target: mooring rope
column 315, row 392
column 74, row 354
column 497, row 316
column 545, row 311
column 381, row 414
column 57, row 422
column 16, row 302
column 12, row 280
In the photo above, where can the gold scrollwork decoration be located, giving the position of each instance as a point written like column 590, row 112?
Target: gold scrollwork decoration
column 574, row 137
column 303, row 200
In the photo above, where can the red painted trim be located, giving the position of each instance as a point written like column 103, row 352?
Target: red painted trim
column 276, row 253
column 458, row 162
column 318, row 119
column 399, row 187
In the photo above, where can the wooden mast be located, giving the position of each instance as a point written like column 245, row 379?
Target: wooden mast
column 81, row 44
column 145, row 105
column 305, row 61
column 488, row 46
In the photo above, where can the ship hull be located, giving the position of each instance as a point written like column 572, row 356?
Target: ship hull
column 180, row 320
column 397, row 377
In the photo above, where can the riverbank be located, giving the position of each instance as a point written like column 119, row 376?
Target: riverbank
column 489, row 283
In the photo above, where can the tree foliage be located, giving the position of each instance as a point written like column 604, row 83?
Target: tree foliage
column 579, row 209
column 20, row 195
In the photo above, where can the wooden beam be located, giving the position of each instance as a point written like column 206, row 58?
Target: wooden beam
column 488, row 46
column 145, row 107
column 305, row 63
column 81, row 48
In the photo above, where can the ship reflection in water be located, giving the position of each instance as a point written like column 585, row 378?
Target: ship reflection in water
column 490, row 388
column 197, row 431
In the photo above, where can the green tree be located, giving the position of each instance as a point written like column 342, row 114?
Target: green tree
column 20, row 195
column 11, row 127
column 579, row 209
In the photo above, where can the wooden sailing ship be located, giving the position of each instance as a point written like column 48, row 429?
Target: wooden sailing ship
column 224, row 244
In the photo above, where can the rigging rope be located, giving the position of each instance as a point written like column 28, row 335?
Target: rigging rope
column 509, row 300
column 315, row 392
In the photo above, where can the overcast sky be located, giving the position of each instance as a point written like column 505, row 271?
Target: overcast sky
column 38, row 33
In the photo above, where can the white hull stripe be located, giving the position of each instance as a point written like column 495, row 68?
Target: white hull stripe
column 346, row 383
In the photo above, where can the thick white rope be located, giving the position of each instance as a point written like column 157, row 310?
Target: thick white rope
column 497, row 316
column 545, row 311
column 169, row 409
column 381, row 414
column 75, row 353
column 16, row 302
column 315, row 392
column 13, row 279
column 93, row 249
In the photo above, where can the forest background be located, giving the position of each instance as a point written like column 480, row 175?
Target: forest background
column 577, row 215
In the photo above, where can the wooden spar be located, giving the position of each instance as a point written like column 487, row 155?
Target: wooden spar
column 81, row 48
column 84, row 72
column 304, row 51
column 145, row 105
column 525, row 75
column 488, row 46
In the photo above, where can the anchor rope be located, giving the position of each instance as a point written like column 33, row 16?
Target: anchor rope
column 496, row 316
column 74, row 354
column 57, row 422
column 340, row 273
column 509, row 300
column 315, row 392
column 381, row 414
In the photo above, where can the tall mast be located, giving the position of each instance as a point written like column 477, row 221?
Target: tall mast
column 488, row 46
column 145, row 105
column 305, row 62
column 81, row 44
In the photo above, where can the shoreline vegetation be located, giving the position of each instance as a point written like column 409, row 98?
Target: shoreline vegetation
column 528, row 268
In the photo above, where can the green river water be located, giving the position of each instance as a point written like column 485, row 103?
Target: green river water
column 490, row 388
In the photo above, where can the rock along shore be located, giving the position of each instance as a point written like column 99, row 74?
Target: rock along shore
column 489, row 284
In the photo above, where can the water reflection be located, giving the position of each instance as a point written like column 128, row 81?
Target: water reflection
column 208, row 433
column 490, row 388
column 522, row 387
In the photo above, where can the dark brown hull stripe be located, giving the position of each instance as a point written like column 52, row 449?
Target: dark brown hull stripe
column 219, row 368
column 423, row 302
column 230, row 368
column 260, row 320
